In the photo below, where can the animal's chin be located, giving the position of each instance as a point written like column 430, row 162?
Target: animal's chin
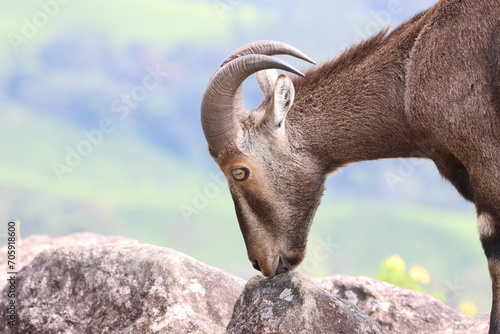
column 278, row 272
column 289, row 262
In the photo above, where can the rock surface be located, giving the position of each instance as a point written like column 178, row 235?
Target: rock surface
column 292, row 304
column 28, row 248
column 121, row 288
column 88, row 283
column 400, row 310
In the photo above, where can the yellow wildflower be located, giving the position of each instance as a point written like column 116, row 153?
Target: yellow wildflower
column 419, row 274
column 468, row 308
column 396, row 263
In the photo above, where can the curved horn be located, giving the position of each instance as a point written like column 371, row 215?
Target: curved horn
column 264, row 47
column 269, row 48
column 218, row 117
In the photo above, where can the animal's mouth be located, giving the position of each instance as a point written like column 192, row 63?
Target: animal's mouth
column 283, row 262
column 289, row 263
column 283, row 266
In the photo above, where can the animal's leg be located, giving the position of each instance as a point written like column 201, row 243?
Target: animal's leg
column 455, row 172
column 486, row 188
column 490, row 238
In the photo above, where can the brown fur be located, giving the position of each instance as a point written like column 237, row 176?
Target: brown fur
column 430, row 88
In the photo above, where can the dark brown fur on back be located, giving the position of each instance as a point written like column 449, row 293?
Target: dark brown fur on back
column 352, row 56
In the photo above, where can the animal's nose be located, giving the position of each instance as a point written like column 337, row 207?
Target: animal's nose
column 255, row 265
column 273, row 263
column 268, row 266
column 279, row 267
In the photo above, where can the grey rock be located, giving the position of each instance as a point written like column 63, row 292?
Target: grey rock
column 400, row 310
column 28, row 248
column 121, row 288
column 89, row 283
column 292, row 303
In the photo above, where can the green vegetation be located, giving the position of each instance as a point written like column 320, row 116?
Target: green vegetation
column 393, row 270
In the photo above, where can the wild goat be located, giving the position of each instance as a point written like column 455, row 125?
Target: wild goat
column 429, row 89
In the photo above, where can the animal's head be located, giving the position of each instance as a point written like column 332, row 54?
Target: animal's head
column 275, row 185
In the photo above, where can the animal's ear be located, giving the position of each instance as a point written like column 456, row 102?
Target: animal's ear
column 280, row 103
column 266, row 80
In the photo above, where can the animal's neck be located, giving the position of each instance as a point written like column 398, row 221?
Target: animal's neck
column 352, row 109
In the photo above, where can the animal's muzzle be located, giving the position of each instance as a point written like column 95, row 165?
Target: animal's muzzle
column 279, row 265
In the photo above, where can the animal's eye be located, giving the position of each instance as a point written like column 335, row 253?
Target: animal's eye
column 240, row 174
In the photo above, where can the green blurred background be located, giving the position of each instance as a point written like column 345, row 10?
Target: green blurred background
column 93, row 141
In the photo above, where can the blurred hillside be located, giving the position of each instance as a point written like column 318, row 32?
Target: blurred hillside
column 100, row 127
